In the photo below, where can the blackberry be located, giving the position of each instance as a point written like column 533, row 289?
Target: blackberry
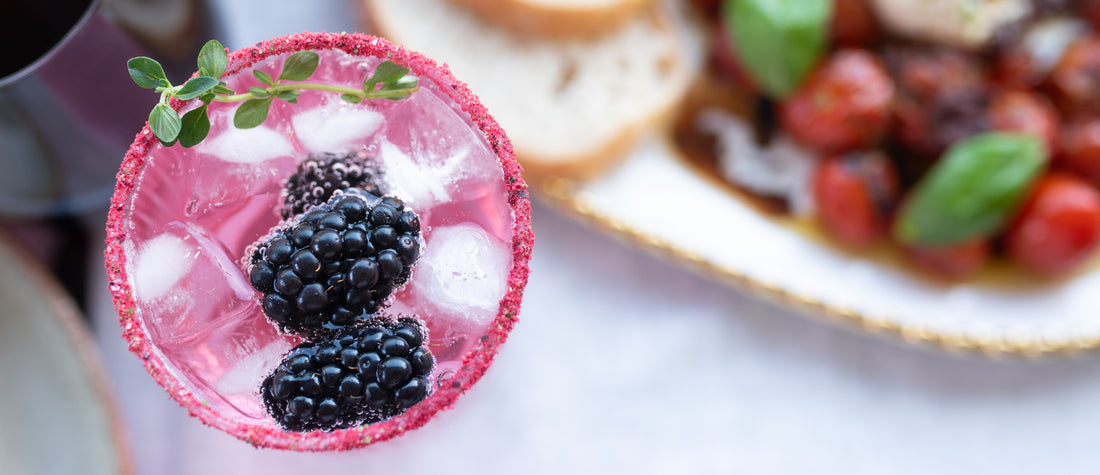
column 359, row 376
column 335, row 265
column 319, row 177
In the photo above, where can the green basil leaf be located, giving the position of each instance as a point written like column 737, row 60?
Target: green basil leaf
column 196, row 87
column 252, row 113
column 212, row 59
column 972, row 191
column 263, row 77
column 300, row 66
column 289, row 96
column 147, row 72
column 195, row 125
column 778, row 41
column 165, row 124
column 259, row 92
column 351, row 98
column 387, row 71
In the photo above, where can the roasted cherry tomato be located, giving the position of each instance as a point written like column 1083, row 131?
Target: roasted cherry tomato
column 1058, row 228
column 1014, row 67
column 942, row 98
column 951, row 262
column 853, row 24
column 855, row 195
column 1090, row 11
column 1075, row 79
column 1079, row 148
column 1027, row 112
column 845, row 105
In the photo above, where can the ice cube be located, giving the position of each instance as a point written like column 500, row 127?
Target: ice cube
column 255, row 145
column 197, row 283
column 245, row 376
column 416, row 185
column 463, row 273
column 335, row 126
column 160, row 264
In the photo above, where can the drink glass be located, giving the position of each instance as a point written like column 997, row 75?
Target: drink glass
column 183, row 220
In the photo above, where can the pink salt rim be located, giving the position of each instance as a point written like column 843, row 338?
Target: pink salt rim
column 474, row 363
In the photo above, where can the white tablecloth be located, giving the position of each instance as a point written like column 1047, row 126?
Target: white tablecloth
column 624, row 364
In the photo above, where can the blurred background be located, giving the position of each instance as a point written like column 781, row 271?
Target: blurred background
column 621, row 362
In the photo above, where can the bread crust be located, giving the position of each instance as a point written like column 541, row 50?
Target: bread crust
column 555, row 21
column 597, row 160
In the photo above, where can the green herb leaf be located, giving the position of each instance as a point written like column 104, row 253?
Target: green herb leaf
column 212, row 59
column 405, row 83
column 387, row 71
column 263, row 77
column 300, row 66
column 252, row 113
column 351, row 98
column 972, row 191
column 165, row 123
column 259, row 92
column 196, row 87
column 195, row 125
column 778, row 41
column 289, row 96
column 147, row 72
column 222, row 89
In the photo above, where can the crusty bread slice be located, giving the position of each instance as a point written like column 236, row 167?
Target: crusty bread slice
column 572, row 107
column 557, row 18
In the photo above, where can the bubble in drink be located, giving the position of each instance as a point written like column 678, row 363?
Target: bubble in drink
column 184, row 219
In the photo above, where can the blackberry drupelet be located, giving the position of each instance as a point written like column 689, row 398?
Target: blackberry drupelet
column 318, row 177
column 358, row 377
column 335, row 265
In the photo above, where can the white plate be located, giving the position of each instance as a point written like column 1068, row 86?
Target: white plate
column 57, row 415
column 655, row 201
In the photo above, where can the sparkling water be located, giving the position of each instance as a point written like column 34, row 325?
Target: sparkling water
column 196, row 210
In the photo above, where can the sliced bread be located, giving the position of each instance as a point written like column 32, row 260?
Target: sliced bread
column 571, row 107
column 557, row 18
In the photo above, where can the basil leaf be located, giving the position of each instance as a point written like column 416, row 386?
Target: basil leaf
column 165, row 124
column 212, row 59
column 263, row 77
column 196, row 87
column 300, row 66
column 147, row 72
column 252, row 113
column 973, row 190
column 195, row 127
column 387, row 71
column 778, row 41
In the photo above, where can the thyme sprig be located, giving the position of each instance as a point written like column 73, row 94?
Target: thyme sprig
column 388, row 81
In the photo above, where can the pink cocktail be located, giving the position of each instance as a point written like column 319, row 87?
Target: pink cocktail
column 182, row 221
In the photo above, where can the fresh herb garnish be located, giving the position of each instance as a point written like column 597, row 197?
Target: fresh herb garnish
column 779, row 41
column 389, row 81
column 972, row 191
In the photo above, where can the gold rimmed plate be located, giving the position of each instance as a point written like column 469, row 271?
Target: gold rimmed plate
column 660, row 202
column 57, row 413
